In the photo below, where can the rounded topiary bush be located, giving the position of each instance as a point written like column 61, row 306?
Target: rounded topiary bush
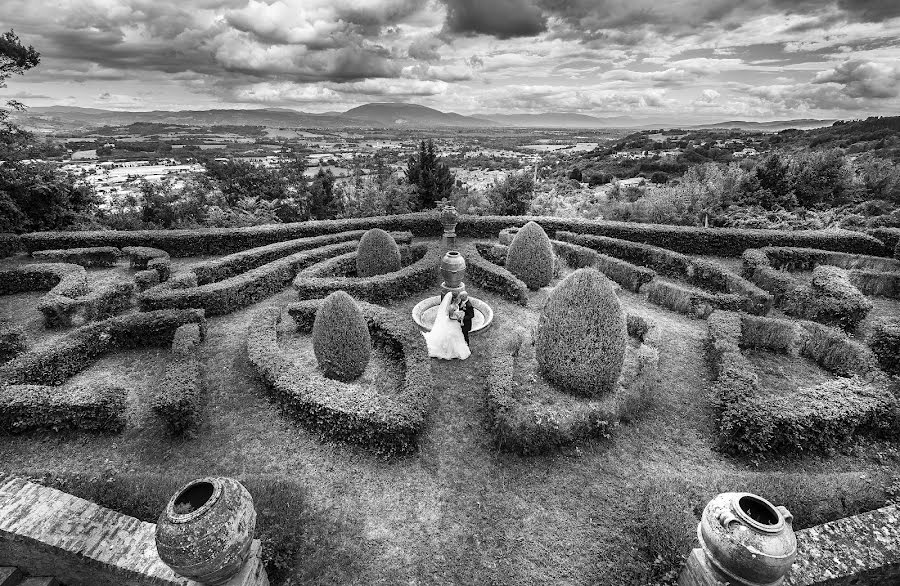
column 530, row 256
column 341, row 338
column 377, row 254
column 581, row 335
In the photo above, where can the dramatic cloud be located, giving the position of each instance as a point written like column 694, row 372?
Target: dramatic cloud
column 685, row 59
column 503, row 19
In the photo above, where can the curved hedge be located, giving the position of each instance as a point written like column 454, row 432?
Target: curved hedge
column 178, row 399
column 222, row 297
column 387, row 424
column 12, row 340
column 726, row 290
column 527, row 424
column 491, row 277
column 140, row 256
column 885, row 343
column 328, row 276
column 98, row 256
column 823, row 417
column 628, row 275
column 10, row 244
column 30, row 397
column 59, row 278
column 99, row 303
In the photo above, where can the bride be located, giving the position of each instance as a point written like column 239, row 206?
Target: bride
column 445, row 340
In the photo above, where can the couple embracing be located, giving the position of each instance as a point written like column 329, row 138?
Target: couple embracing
column 449, row 336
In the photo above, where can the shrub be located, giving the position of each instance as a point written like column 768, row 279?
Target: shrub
column 101, row 302
column 495, row 253
column 340, row 338
column 146, row 279
column 94, row 408
column 140, row 256
column 530, row 256
column 823, row 417
column 10, row 244
column 377, row 254
column 163, row 267
column 580, row 342
column 178, row 399
column 885, row 343
column 99, row 256
column 326, row 277
column 630, row 276
column 830, row 298
column 507, row 234
column 387, row 424
column 528, row 422
column 75, row 350
column 12, row 340
column 491, row 277
column 886, row 284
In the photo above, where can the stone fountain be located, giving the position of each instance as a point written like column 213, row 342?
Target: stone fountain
column 453, row 270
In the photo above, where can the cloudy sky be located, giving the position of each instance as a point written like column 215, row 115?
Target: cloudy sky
column 694, row 60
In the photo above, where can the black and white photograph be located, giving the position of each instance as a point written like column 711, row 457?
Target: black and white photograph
column 449, row 292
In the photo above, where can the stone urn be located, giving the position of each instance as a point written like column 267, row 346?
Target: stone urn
column 449, row 219
column 453, row 269
column 747, row 540
column 206, row 530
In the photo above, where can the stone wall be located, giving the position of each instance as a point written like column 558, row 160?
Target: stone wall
column 864, row 549
column 47, row 532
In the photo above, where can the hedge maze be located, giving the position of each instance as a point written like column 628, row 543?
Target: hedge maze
column 827, row 281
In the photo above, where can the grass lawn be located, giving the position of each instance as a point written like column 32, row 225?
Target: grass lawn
column 458, row 510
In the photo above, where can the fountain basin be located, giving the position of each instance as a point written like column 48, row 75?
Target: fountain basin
column 426, row 310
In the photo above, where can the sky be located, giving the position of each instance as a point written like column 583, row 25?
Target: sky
column 684, row 60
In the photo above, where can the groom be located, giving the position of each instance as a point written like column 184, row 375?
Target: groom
column 468, row 312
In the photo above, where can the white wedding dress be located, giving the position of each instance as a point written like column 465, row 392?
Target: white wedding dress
column 445, row 340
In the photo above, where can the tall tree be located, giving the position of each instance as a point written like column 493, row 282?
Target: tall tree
column 15, row 59
column 431, row 177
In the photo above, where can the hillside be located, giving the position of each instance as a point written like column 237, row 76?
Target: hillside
column 414, row 115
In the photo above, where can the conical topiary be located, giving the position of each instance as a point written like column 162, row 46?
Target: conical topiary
column 377, row 254
column 341, row 338
column 530, row 256
column 581, row 335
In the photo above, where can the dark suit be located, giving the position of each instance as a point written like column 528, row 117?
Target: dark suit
column 468, row 314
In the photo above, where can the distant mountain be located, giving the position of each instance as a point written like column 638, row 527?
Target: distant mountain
column 382, row 115
column 414, row 115
column 775, row 125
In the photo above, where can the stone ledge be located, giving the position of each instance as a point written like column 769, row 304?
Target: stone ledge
column 45, row 531
column 863, row 549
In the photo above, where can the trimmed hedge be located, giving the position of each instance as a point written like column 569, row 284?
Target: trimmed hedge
column 824, row 417
column 885, row 343
column 140, row 256
column 689, row 240
column 530, row 256
column 163, row 267
column 94, row 408
column 495, row 253
column 326, row 277
column 377, row 254
column 101, row 302
column 529, row 424
column 74, row 351
column 12, row 340
column 387, row 424
column 506, row 235
column 341, row 340
column 491, row 277
column 64, row 279
column 876, row 282
column 217, row 241
column 99, row 256
column 581, row 335
column 222, row 297
column 146, row 279
column 684, row 239
column 630, row 276
column 178, row 399
column 10, row 244
column 791, row 258
column 726, row 289
column 830, row 297
column 889, row 236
